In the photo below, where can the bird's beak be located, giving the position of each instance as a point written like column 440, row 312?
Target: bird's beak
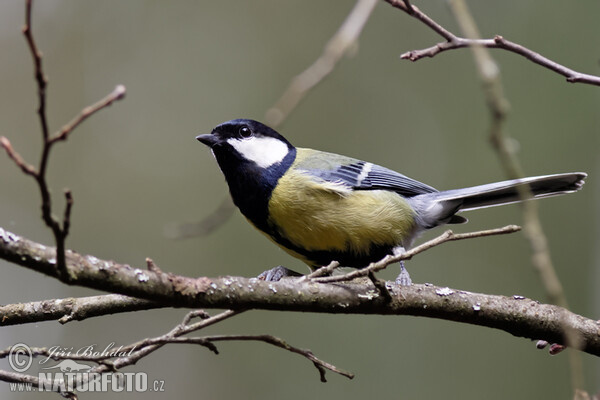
column 209, row 139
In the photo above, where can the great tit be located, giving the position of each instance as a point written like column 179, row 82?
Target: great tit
column 322, row 207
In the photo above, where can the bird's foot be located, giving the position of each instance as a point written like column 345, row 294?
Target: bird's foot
column 404, row 278
column 275, row 274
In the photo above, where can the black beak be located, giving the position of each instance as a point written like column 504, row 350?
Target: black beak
column 209, row 139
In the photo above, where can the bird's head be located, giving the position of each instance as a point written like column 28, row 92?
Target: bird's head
column 244, row 141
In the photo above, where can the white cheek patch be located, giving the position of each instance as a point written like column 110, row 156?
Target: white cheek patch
column 264, row 151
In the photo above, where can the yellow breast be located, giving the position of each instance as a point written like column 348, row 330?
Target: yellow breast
column 320, row 216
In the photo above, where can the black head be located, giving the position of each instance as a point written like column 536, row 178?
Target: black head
column 252, row 157
column 245, row 134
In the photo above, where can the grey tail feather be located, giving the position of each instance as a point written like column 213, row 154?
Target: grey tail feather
column 505, row 192
column 439, row 207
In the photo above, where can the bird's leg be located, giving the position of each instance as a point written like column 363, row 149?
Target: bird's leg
column 275, row 274
column 403, row 278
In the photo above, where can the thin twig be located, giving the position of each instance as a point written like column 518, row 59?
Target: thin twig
column 67, row 215
column 151, row 265
column 16, row 157
column 175, row 336
column 117, row 94
column 380, row 285
column 275, row 341
column 207, row 341
column 453, row 42
column 138, row 350
column 40, row 77
column 414, row 11
column 325, row 270
column 447, row 236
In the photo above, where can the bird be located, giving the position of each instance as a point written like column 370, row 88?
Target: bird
column 322, row 207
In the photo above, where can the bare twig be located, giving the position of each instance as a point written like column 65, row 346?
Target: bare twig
column 16, row 157
column 447, row 236
column 413, row 11
column 67, row 215
column 454, row 42
column 38, row 70
column 117, row 94
column 325, row 270
column 321, row 365
column 146, row 346
column 151, row 265
column 207, row 341
column 380, row 285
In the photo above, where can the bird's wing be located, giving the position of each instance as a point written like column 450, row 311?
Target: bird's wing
column 357, row 174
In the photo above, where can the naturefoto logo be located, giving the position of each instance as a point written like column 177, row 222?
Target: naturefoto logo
column 73, row 375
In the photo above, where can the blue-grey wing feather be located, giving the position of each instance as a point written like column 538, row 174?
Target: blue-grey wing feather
column 383, row 178
column 361, row 175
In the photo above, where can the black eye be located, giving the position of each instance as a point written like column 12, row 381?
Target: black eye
column 245, row 132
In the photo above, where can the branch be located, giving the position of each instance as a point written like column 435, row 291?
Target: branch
column 447, row 236
column 40, row 77
column 16, row 157
column 117, row 94
column 321, row 365
column 454, row 42
column 71, row 309
column 516, row 315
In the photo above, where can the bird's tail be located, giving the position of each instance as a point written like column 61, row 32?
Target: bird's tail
column 439, row 207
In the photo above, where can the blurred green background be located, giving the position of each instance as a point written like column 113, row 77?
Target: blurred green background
column 189, row 65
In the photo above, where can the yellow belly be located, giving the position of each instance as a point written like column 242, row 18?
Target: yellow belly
column 334, row 218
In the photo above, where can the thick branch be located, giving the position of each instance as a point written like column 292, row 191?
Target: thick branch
column 516, row 315
column 71, row 309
